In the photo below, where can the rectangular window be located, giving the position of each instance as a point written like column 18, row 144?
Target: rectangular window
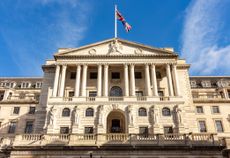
column 115, row 75
column 138, row 75
column 215, row 110
column 32, row 110
column 161, row 93
column 139, row 93
column 16, row 110
column 12, row 127
column 64, row 130
column 71, row 94
column 73, row 75
column 143, row 131
column 219, row 126
column 168, row 130
column 38, row 85
column 202, row 126
column 92, row 93
column 93, row 75
column 29, row 127
column 88, row 130
column 199, row 109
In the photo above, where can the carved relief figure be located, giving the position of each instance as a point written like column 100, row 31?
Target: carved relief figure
column 130, row 115
column 115, row 47
column 154, row 114
column 50, row 117
column 101, row 114
column 178, row 114
column 75, row 116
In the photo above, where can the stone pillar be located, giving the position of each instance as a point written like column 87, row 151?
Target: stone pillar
column 175, row 81
column 77, row 84
column 126, row 78
column 154, row 80
column 132, row 80
column 169, row 77
column 84, row 80
column 63, row 76
column 56, row 80
column 106, row 68
column 147, row 81
column 99, row 79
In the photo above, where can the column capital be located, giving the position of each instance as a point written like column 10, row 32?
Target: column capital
column 147, row 64
column 106, row 65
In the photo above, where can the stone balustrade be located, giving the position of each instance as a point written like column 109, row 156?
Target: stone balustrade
column 108, row 139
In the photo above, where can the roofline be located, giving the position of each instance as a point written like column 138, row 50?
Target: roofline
column 208, row 76
column 21, row 77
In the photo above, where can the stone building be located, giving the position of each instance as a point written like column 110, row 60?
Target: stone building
column 115, row 98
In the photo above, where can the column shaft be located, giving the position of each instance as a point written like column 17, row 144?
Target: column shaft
column 154, row 80
column 56, row 80
column 84, row 81
column 99, row 79
column 147, row 81
column 106, row 67
column 126, row 78
column 170, row 87
column 63, row 76
column 175, row 81
column 132, row 80
column 77, row 84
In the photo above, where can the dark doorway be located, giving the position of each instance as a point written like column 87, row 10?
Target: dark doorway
column 116, row 127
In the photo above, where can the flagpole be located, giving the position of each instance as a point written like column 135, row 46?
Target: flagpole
column 115, row 22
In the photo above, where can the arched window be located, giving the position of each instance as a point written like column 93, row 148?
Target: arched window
column 116, row 91
column 142, row 112
column 166, row 112
column 158, row 74
column 89, row 112
column 66, row 112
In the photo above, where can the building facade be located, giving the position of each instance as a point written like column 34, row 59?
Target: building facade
column 115, row 98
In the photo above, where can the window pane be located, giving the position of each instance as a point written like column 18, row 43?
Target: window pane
column 115, row 75
column 93, row 75
column 139, row 93
column 12, row 127
column 88, row 130
column 143, row 131
column 166, row 112
column 215, row 109
column 142, row 112
column 66, row 112
column 64, row 130
column 29, row 127
column 32, row 110
column 168, row 130
column 138, row 75
column 16, row 110
column 89, row 112
column 92, row 93
column 219, row 126
column 202, row 126
column 73, row 75
column 199, row 109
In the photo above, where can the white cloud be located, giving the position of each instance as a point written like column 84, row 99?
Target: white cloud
column 202, row 38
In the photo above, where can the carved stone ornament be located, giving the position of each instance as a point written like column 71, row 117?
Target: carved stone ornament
column 115, row 47
column 222, row 83
column 138, row 51
column 92, row 51
column 115, row 106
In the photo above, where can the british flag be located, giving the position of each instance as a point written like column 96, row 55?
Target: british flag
column 122, row 19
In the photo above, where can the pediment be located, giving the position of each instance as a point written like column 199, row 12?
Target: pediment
column 114, row 47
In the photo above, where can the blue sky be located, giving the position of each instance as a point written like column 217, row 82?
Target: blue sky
column 31, row 31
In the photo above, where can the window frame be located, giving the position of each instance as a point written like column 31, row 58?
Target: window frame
column 142, row 113
column 66, row 113
column 16, row 112
column 64, row 130
column 222, row 125
column 90, row 129
column 202, row 109
column 205, row 125
column 29, row 129
column 218, row 109
column 32, row 112
column 12, row 127
column 87, row 112
column 164, row 110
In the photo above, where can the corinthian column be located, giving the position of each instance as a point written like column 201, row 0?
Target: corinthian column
column 175, row 80
column 99, row 79
column 63, row 76
column 154, row 80
column 84, row 81
column 106, row 68
column 170, row 87
column 78, row 78
column 126, row 78
column 56, row 80
column 132, row 80
column 147, row 81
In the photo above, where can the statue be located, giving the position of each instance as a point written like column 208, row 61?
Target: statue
column 75, row 116
column 115, row 47
column 100, row 111
column 178, row 114
column 154, row 114
column 130, row 115
column 50, row 117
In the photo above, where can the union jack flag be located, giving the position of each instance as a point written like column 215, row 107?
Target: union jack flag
column 122, row 19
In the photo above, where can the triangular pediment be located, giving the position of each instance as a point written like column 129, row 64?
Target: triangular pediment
column 114, row 47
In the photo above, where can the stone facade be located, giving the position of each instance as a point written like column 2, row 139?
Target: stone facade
column 112, row 97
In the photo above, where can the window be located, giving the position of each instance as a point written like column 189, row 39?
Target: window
column 12, row 84
column 168, row 130
column 38, row 85
column 25, row 84
column 73, row 75
column 92, row 93
column 202, row 126
column 199, row 110
column 158, row 74
column 12, row 127
column 138, row 75
column 9, row 96
column 142, row 112
column 88, row 130
column 29, row 127
column 219, row 126
column 89, row 112
column 139, row 93
column 16, row 110
column 166, row 112
column 37, row 96
column 143, row 131
column 116, row 91
column 22, row 95
column 115, row 75
column 64, row 130
column 71, row 94
column 66, row 112
column 161, row 93
column 1, row 96
column 93, row 75
column 215, row 110
column 32, row 110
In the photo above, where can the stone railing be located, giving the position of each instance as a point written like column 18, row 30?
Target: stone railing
column 116, row 98
column 141, row 98
column 118, row 138
column 90, row 98
column 164, row 98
